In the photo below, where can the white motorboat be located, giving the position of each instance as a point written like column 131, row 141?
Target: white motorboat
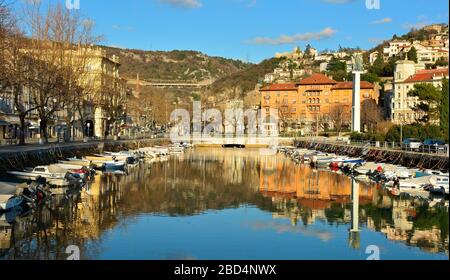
column 108, row 162
column 439, row 184
column 128, row 157
column 176, row 149
column 433, row 183
column 54, row 175
column 47, row 172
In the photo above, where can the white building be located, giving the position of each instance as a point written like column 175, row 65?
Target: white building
column 395, row 47
column 407, row 75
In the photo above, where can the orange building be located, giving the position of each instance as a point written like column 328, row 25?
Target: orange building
column 313, row 97
column 282, row 97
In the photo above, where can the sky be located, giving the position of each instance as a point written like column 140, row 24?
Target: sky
column 253, row 30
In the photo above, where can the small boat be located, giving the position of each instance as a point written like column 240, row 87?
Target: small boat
column 439, row 185
column 128, row 157
column 55, row 176
column 342, row 161
column 40, row 171
column 176, row 149
column 157, row 150
column 428, row 172
column 108, row 162
column 77, row 170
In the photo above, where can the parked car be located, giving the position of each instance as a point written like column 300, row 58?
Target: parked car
column 411, row 144
column 433, row 146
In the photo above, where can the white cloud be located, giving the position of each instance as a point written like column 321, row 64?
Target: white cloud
column 286, row 39
column 121, row 28
column 382, row 21
column 375, row 40
column 338, row 1
column 417, row 25
column 191, row 4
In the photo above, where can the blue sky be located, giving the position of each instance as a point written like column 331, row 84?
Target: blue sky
column 255, row 29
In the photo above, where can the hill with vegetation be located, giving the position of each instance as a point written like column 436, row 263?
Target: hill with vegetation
column 178, row 66
column 245, row 80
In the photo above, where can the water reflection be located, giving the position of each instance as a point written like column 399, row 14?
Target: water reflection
column 228, row 196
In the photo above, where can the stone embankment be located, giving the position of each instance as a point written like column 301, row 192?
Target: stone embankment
column 18, row 158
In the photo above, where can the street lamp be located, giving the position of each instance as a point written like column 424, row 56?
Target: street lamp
column 401, row 129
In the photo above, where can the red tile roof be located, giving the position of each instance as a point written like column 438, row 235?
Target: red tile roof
column 317, row 79
column 349, row 85
column 280, row 87
column 427, row 75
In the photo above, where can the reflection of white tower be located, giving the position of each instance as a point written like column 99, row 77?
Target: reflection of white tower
column 355, row 207
column 356, row 106
column 354, row 238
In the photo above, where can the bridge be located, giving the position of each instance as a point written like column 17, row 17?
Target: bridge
column 169, row 84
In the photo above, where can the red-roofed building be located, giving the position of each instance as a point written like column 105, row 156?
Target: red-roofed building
column 406, row 77
column 312, row 98
column 317, row 79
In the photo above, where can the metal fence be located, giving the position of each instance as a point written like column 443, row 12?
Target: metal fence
column 394, row 146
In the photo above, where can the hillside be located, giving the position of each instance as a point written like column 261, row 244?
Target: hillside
column 413, row 35
column 180, row 66
column 245, row 80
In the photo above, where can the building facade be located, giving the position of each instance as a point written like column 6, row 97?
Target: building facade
column 313, row 98
column 104, row 101
column 406, row 76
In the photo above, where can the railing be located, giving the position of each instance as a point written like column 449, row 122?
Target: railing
column 394, row 146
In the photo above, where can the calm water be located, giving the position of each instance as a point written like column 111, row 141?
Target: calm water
column 228, row 204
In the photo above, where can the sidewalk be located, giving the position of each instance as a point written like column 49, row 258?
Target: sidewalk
column 35, row 146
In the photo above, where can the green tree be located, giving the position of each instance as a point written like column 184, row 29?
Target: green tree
column 412, row 54
column 444, row 109
column 335, row 65
column 429, row 101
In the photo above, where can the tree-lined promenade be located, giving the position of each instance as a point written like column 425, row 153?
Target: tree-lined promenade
column 49, row 71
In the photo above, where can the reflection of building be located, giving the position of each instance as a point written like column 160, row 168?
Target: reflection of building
column 311, row 188
column 5, row 234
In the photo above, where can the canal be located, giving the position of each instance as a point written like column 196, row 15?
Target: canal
column 228, row 204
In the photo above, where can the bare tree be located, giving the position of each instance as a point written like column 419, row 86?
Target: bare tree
column 371, row 114
column 15, row 68
column 59, row 41
column 339, row 116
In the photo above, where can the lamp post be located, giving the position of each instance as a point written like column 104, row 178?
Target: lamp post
column 401, row 129
column 88, row 126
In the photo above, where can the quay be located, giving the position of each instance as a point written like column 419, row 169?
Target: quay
column 379, row 153
column 18, row 157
